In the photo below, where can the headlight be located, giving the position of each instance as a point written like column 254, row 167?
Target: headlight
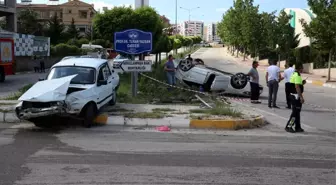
column 72, row 99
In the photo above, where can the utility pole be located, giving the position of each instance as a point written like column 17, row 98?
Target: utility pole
column 176, row 17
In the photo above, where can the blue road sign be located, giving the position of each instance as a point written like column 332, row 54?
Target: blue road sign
column 133, row 41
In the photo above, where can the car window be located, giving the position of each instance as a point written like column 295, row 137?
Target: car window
column 85, row 75
column 104, row 73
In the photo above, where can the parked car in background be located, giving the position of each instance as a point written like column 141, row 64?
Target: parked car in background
column 195, row 73
column 118, row 60
column 75, row 87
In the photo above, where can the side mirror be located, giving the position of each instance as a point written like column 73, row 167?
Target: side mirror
column 41, row 79
column 101, row 82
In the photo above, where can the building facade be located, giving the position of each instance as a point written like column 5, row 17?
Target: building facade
column 8, row 14
column 211, row 35
column 192, row 28
column 81, row 12
column 298, row 14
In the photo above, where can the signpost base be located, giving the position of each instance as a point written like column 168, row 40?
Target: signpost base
column 134, row 81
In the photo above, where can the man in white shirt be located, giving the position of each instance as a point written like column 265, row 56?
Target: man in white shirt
column 273, row 77
column 287, row 75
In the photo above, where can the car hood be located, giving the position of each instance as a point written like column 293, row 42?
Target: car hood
column 48, row 90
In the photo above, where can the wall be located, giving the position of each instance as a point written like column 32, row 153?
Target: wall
column 308, row 68
column 28, row 64
column 324, row 72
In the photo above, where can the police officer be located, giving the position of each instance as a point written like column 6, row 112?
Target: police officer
column 296, row 99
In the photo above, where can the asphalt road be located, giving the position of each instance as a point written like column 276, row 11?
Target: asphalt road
column 318, row 112
column 105, row 155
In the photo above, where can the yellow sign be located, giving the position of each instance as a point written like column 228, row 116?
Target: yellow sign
column 6, row 52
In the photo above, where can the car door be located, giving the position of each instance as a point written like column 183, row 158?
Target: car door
column 104, row 91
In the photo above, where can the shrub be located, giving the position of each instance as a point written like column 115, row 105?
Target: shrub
column 66, row 50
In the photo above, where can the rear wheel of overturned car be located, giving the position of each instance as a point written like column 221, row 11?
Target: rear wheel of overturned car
column 239, row 81
column 185, row 65
column 89, row 115
column 199, row 61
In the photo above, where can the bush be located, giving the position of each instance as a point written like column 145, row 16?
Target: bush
column 65, row 50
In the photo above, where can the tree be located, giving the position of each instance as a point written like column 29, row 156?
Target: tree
column 55, row 30
column 72, row 30
column 322, row 28
column 122, row 18
column 28, row 22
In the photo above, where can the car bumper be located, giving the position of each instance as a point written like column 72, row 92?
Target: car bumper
column 25, row 114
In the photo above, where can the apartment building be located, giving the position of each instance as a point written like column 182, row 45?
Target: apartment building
column 211, row 35
column 8, row 14
column 81, row 12
column 192, row 28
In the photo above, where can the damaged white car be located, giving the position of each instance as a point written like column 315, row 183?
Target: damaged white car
column 76, row 87
column 193, row 72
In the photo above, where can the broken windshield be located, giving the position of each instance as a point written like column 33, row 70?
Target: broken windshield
column 85, row 75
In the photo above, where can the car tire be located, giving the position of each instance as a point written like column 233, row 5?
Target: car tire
column 41, row 122
column 2, row 74
column 185, row 65
column 114, row 98
column 200, row 61
column 239, row 81
column 89, row 115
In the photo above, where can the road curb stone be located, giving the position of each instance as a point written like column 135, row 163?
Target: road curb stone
column 228, row 124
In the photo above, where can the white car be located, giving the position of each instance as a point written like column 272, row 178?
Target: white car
column 74, row 87
column 193, row 72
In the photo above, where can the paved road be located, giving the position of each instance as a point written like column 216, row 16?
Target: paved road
column 116, row 155
column 112, row 155
column 319, row 111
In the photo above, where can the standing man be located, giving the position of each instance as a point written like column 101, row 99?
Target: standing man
column 42, row 66
column 254, row 83
column 297, row 100
column 287, row 75
column 273, row 77
column 169, row 67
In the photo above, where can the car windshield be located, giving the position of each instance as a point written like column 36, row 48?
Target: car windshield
column 122, row 57
column 85, row 75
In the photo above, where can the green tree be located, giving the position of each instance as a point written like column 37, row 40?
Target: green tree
column 55, row 30
column 72, row 30
column 28, row 22
column 322, row 28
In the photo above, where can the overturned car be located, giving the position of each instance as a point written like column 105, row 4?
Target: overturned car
column 76, row 87
column 193, row 72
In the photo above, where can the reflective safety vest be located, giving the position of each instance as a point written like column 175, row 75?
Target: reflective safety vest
column 296, row 79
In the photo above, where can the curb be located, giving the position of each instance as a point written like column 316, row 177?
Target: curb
column 228, row 124
column 321, row 83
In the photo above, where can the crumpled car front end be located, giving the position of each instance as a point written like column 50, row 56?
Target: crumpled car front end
column 26, row 110
column 45, row 98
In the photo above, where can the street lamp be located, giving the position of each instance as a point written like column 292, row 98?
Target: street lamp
column 189, row 10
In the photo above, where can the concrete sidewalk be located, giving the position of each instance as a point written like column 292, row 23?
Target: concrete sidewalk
column 311, row 79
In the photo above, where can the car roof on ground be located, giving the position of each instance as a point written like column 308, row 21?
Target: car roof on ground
column 83, row 62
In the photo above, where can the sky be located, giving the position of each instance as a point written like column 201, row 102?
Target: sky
column 209, row 11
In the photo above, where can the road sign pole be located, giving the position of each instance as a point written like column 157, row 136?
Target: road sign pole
column 134, row 81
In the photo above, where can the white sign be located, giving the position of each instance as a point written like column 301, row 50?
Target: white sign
column 136, row 66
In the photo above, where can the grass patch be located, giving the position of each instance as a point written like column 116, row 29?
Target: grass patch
column 150, row 91
column 218, row 111
column 145, row 115
column 163, row 110
column 179, row 112
column 17, row 95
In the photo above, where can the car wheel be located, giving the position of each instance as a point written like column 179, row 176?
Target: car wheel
column 200, row 61
column 114, row 98
column 185, row 65
column 89, row 115
column 239, row 81
column 2, row 74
